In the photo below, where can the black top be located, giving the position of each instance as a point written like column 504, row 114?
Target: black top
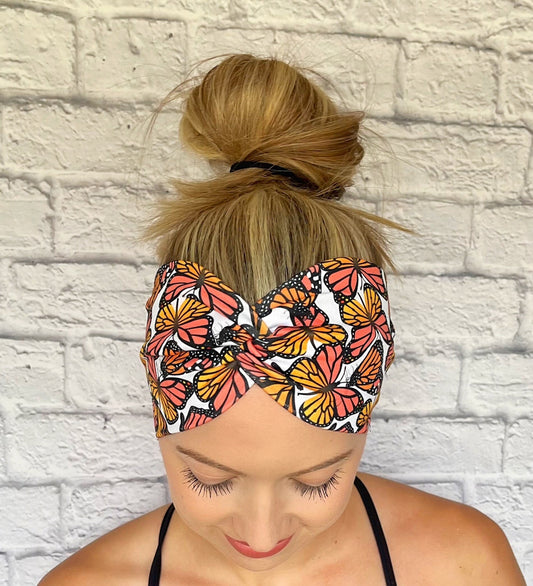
column 390, row 580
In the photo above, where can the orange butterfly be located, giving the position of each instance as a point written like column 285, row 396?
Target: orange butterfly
column 368, row 375
column 176, row 362
column 222, row 384
column 390, row 357
column 366, row 318
column 160, row 278
column 319, row 375
column 160, row 423
column 170, row 393
column 241, row 335
column 273, row 381
column 211, row 290
column 293, row 340
column 343, row 276
column 288, row 297
column 196, row 417
column 191, row 324
column 363, row 419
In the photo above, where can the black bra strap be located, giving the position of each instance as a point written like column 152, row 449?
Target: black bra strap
column 155, row 569
column 390, row 579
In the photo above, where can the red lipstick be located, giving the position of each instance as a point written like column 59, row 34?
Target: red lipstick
column 246, row 550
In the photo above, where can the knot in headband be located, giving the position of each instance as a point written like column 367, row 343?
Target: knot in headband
column 318, row 344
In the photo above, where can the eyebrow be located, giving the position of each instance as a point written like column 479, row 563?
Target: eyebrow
column 209, row 462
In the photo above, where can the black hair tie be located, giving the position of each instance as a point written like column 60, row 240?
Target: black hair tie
column 277, row 170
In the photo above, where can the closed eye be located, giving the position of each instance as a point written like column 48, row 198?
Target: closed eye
column 221, row 488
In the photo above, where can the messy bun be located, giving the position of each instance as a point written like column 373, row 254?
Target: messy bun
column 252, row 228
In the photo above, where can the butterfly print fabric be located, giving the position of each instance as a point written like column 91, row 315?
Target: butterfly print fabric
column 318, row 344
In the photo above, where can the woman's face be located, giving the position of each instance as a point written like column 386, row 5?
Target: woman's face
column 266, row 497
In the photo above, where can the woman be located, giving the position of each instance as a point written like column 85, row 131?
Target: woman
column 268, row 337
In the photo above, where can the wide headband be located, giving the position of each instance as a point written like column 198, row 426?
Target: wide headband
column 318, row 344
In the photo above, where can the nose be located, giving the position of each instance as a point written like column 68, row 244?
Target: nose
column 261, row 521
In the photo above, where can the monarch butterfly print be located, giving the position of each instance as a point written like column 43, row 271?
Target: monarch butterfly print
column 343, row 276
column 244, row 338
column 367, row 319
column 222, row 385
column 211, row 291
column 390, row 357
column 196, row 417
column 160, row 423
column 296, row 294
column 363, row 419
column 273, row 381
column 190, row 323
column 160, row 277
column 315, row 344
column 177, row 362
column 327, row 400
column 293, row 340
column 368, row 375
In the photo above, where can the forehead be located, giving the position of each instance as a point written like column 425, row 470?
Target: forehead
column 258, row 435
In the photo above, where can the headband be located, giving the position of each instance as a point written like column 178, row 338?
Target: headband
column 318, row 344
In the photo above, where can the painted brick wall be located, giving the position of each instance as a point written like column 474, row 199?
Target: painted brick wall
column 448, row 86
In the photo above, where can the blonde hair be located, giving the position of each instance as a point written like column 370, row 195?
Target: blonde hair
column 251, row 228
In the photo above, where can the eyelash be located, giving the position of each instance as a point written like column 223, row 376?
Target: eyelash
column 210, row 490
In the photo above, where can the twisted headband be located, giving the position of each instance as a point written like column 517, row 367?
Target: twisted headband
column 318, row 344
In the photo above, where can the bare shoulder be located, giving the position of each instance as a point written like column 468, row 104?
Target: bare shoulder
column 433, row 540
column 122, row 556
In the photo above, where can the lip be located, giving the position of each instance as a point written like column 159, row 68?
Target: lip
column 246, row 550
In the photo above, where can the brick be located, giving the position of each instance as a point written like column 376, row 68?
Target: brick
column 518, row 84
column 81, row 138
column 434, row 445
column 94, row 510
column 2, row 448
column 413, row 18
column 448, row 82
column 45, row 63
column 217, row 8
column 455, row 162
column 70, row 446
column 299, row 10
column 431, row 383
column 25, row 217
column 500, row 383
column 525, row 333
column 503, row 239
column 29, row 516
column 4, row 280
column 107, row 372
column 369, row 82
column 32, row 372
column 101, row 218
column 518, row 447
column 31, row 568
column 4, row 571
column 97, row 295
column 442, row 239
column 431, row 310
column 527, row 566
column 213, row 41
column 510, row 504
column 127, row 57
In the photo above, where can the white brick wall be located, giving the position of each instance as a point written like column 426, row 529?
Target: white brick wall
column 448, row 85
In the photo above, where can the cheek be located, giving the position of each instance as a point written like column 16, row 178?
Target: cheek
column 324, row 513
